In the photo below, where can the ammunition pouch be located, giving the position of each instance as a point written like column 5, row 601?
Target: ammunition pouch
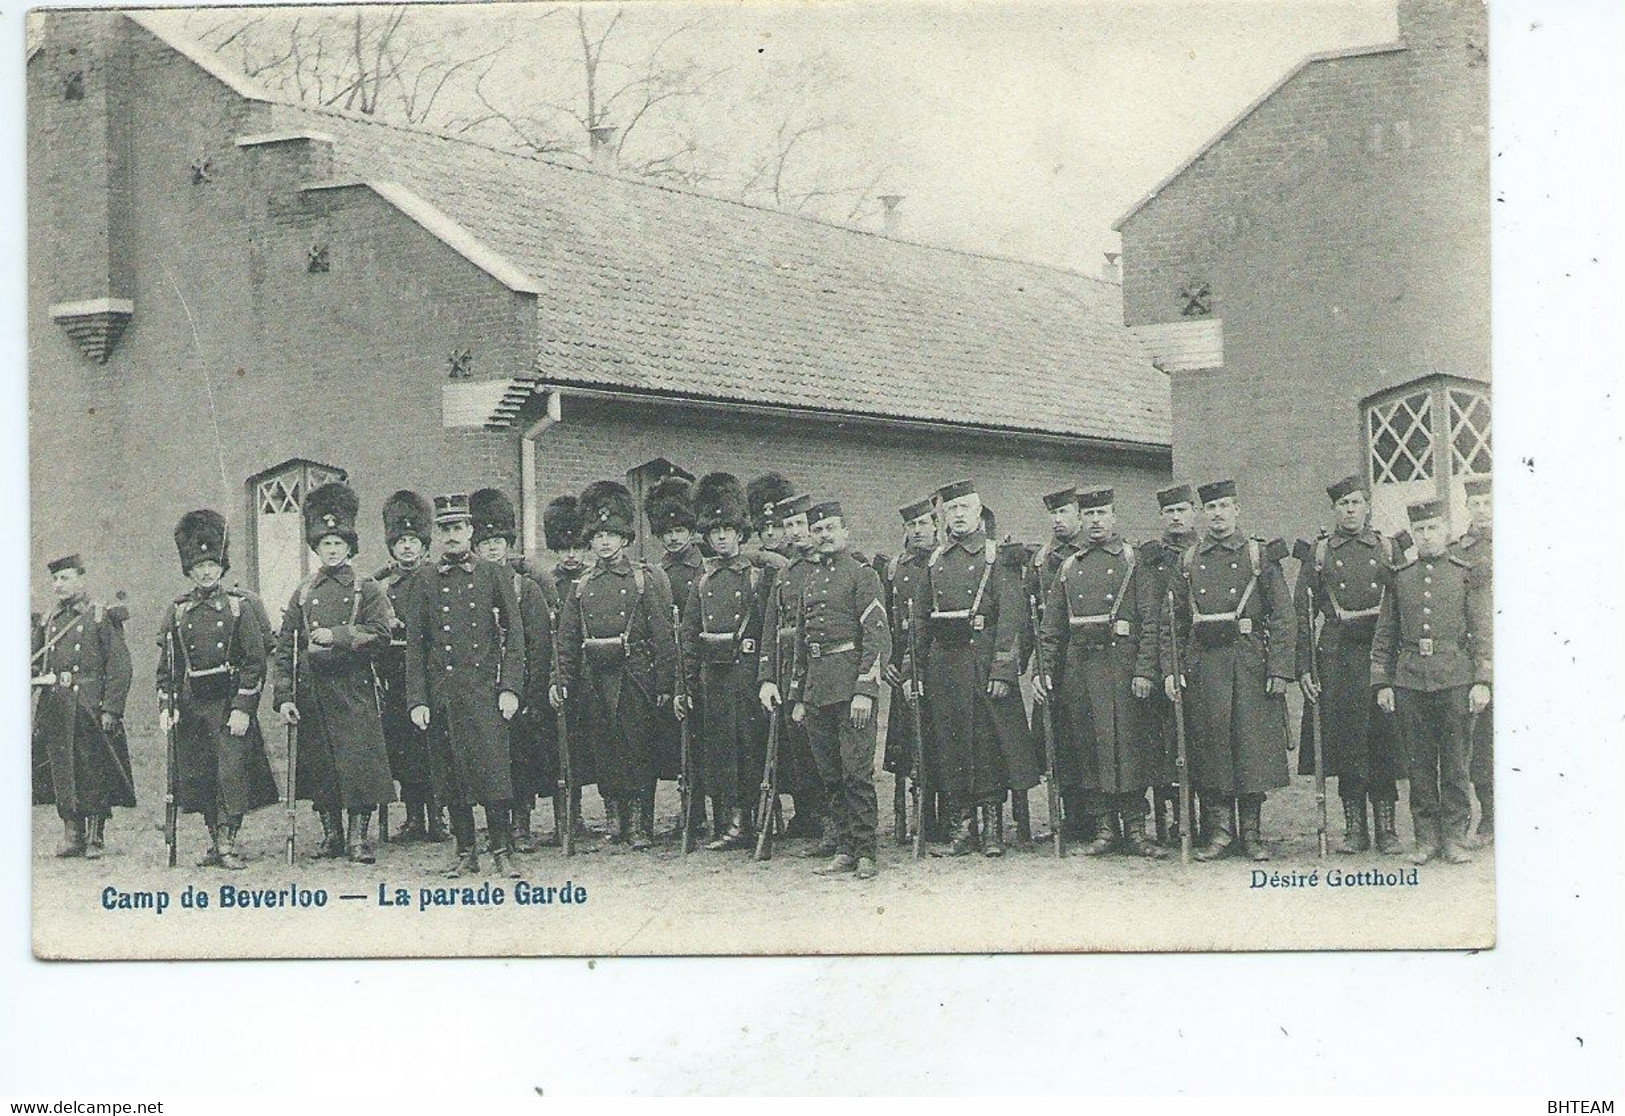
column 954, row 629
column 212, row 685
column 722, row 647
column 605, row 653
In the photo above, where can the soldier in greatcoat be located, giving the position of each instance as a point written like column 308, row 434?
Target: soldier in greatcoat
column 970, row 664
column 670, row 513
column 1431, row 666
column 617, row 662
column 1159, row 564
column 80, row 672
column 899, row 584
column 530, row 731
column 1345, row 578
column 722, row 625
column 336, row 623
column 561, row 531
column 407, row 519
column 1234, row 622
column 465, row 667
column 213, row 647
column 1475, row 546
column 842, row 644
column 1092, row 634
column 1073, row 764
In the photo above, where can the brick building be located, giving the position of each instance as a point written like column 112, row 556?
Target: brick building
column 1315, row 279
column 233, row 298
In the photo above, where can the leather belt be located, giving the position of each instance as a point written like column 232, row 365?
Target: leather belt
column 604, row 641
column 223, row 668
column 717, row 637
column 819, row 650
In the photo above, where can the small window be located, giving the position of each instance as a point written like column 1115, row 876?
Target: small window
column 1400, row 437
column 1469, row 433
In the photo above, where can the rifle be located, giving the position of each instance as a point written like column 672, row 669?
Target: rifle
column 1047, row 718
column 290, row 799
column 685, row 737
column 1181, row 754
column 173, row 701
column 767, row 806
column 1304, row 552
column 566, row 781
column 916, row 719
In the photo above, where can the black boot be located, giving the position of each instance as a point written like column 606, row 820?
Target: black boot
column 211, row 855
column 358, row 842
column 1105, row 834
column 226, row 840
column 332, row 846
column 416, row 826
column 1216, row 825
column 499, row 830
column 1427, row 841
column 1356, row 837
column 556, row 838
column 435, row 824
column 1021, row 813
column 1252, row 829
column 1135, row 840
column 826, row 841
column 962, row 837
column 993, row 829
column 614, row 822
column 95, row 837
column 734, row 837
column 1388, row 843
column 523, row 842
column 73, row 837
column 641, row 808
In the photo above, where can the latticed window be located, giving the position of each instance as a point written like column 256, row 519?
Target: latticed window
column 1400, row 436
column 1469, row 432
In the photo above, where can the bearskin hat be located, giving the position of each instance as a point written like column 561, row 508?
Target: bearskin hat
column 200, row 536
column 561, row 524
column 762, row 493
column 719, row 501
column 493, row 516
column 332, row 510
column 406, row 513
column 607, row 506
column 668, row 505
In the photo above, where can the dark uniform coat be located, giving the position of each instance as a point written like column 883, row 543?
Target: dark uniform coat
column 221, row 640
column 972, row 636
column 1041, row 572
column 1477, row 547
column 82, row 769
column 563, row 579
column 797, row 775
column 682, row 571
column 406, row 744
column 465, row 643
column 1347, row 590
column 532, row 738
column 1445, row 601
column 901, row 583
column 722, row 626
column 616, row 680
column 1092, row 636
column 342, row 762
column 842, row 638
column 1159, row 564
column 1239, row 729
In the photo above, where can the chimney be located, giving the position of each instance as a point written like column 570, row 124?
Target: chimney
column 603, row 145
column 891, row 218
column 1112, row 269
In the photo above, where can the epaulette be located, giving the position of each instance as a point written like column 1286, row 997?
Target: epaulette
column 768, row 559
column 1275, row 550
column 1460, row 561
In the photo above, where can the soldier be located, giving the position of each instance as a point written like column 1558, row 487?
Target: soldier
column 336, row 622
column 531, row 769
column 1345, row 580
column 214, row 643
column 561, row 530
column 1475, row 546
column 761, row 496
column 842, row 646
column 970, row 649
column 1430, row 665
column 81, row 677
column 1093, row 630
column 902, row 575
column 1233, row 618
column 617, row 661
column 1159, row 561
column 1073, row 763
column 672, row 521
column 722, row 625
column 406, row 533
column 465, row 666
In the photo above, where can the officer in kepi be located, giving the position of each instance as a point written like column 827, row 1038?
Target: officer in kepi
column 1431, row 668
column 1475, row 546
column 213, row 647
column 335, row 626
column 81, row 678
column 842, row 646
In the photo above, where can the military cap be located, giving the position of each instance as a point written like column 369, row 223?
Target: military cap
column 1099, row 497
column 1175, row 494
column 719, row 501
column 452, row 508
column 1424, row 510
column 1059, row 499
column 792, row 507
column 561, row 523
column 331, row 510
column 911, row 512
column 200, row 536
column 1476, row 486
column 763, row 493
column 1216, row 490
column 66, row 562
column 1342, row 488
column 955, row 490
column 828, row 509
column 607, row 506
column 493, row 516
column 668, row 505
column 406, row 513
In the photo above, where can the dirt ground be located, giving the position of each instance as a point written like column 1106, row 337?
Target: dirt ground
column 661, row 902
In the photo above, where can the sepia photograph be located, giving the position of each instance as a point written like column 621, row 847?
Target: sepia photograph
column 628, row 479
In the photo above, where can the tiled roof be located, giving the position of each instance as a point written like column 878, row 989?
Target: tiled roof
column 656, row 290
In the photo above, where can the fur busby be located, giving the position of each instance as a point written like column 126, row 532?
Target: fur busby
column 762, row 493
column 493, row 516
column 200, row 536
column 719, row 501
column 332, row 510
column 607, row 506
column 668, row 506
column 561, row 524
column 406, row 513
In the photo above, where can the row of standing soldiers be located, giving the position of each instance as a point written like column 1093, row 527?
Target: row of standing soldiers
column 447, row 674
